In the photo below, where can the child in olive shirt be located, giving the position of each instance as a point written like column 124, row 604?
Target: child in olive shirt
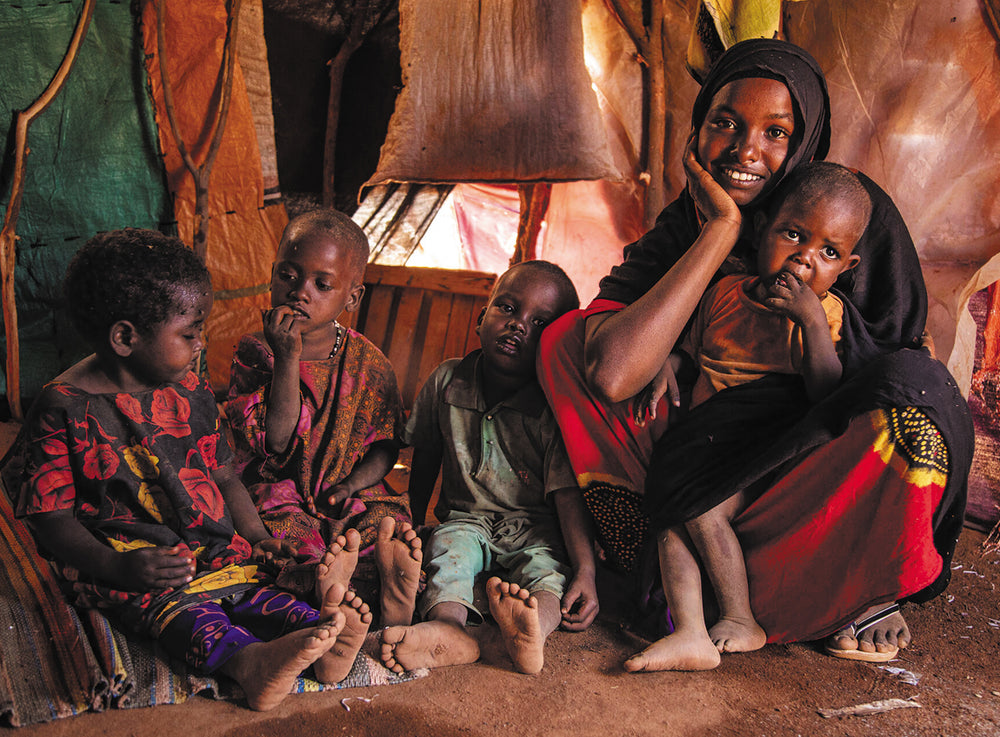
column 509, row 500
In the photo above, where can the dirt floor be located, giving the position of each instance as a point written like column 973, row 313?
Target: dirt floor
column 950, row 672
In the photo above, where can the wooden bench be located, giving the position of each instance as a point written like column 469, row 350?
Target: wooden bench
column 420, row 316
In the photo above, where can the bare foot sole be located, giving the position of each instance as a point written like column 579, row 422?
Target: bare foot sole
column 737, row 635
column 516, row 613
column 431, row 644
column 398, row 555
column 267, row 670
column 876, row 636
column 676, row 652
column 338, row 563
column 335, row 664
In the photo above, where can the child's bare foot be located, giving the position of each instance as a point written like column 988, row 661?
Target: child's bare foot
column 516, row 612
column 732, row 635
column 267, row 670
column 430, row 644
column 338, row 563
column 676, row 652
column 335, row 664
column 398, row 555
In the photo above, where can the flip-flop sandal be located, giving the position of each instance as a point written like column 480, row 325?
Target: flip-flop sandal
column 856, row 629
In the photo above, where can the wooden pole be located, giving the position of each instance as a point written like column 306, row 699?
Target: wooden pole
column 360, row 19
column 648, row 41
column 202, row 173
column 534, row 200
column 8, row 236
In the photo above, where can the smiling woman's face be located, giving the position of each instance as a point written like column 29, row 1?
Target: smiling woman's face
column 746, row 137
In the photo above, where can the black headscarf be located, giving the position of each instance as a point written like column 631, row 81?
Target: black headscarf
column 678, row 224
column 787, row 63
column 884, row 296
column 888, row 300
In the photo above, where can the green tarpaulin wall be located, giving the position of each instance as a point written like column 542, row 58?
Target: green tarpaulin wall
column 94, row 163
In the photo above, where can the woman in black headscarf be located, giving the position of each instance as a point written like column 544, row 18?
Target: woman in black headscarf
column 861, row 505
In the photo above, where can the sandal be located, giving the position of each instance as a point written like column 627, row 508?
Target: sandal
column 859, row 626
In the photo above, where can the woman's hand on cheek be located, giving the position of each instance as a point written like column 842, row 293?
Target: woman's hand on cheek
column 711, row 199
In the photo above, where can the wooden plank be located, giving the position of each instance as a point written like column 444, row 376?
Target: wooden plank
column 433, row 349
column 419, row 317
column 464, row 311
column 404, row 340
column 378, row 316
column 437, row 280
column 471, row 336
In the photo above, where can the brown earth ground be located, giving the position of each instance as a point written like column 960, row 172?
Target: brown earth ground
column 583, row 690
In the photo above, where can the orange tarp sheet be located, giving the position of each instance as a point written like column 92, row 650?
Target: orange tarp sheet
column 242, row 233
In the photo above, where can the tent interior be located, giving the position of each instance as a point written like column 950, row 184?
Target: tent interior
column 462, row 137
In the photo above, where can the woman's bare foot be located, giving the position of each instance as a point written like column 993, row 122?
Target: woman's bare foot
column 677, row 651
column 398, row 555
column 338, row 563
column 267, row 670
column 516, row 612
column 430, row 644
column 881, row 640
column 334, row 666
column 732, row 635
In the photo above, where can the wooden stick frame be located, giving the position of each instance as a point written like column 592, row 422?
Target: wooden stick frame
column 8, row 235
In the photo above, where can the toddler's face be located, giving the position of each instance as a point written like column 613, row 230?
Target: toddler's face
column 523, row 303
column 745, row 137
column 169, row 350
column 811, row 243
column 316, row 278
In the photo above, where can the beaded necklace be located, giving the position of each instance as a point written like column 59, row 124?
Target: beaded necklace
column 339, row 340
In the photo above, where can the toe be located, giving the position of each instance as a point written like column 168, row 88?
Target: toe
column 386, row 528
column 390, row 636
column 844, row 640
column 881, row 641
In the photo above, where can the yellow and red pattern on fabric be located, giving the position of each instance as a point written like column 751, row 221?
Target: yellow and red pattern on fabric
column 876, row 506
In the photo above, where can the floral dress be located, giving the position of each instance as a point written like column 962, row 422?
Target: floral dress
column 136, row 471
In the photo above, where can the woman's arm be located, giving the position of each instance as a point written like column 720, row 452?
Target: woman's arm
column 625, row 350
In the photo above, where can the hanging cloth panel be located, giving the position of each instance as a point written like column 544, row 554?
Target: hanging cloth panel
column 93, row 163
column 494, row 91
